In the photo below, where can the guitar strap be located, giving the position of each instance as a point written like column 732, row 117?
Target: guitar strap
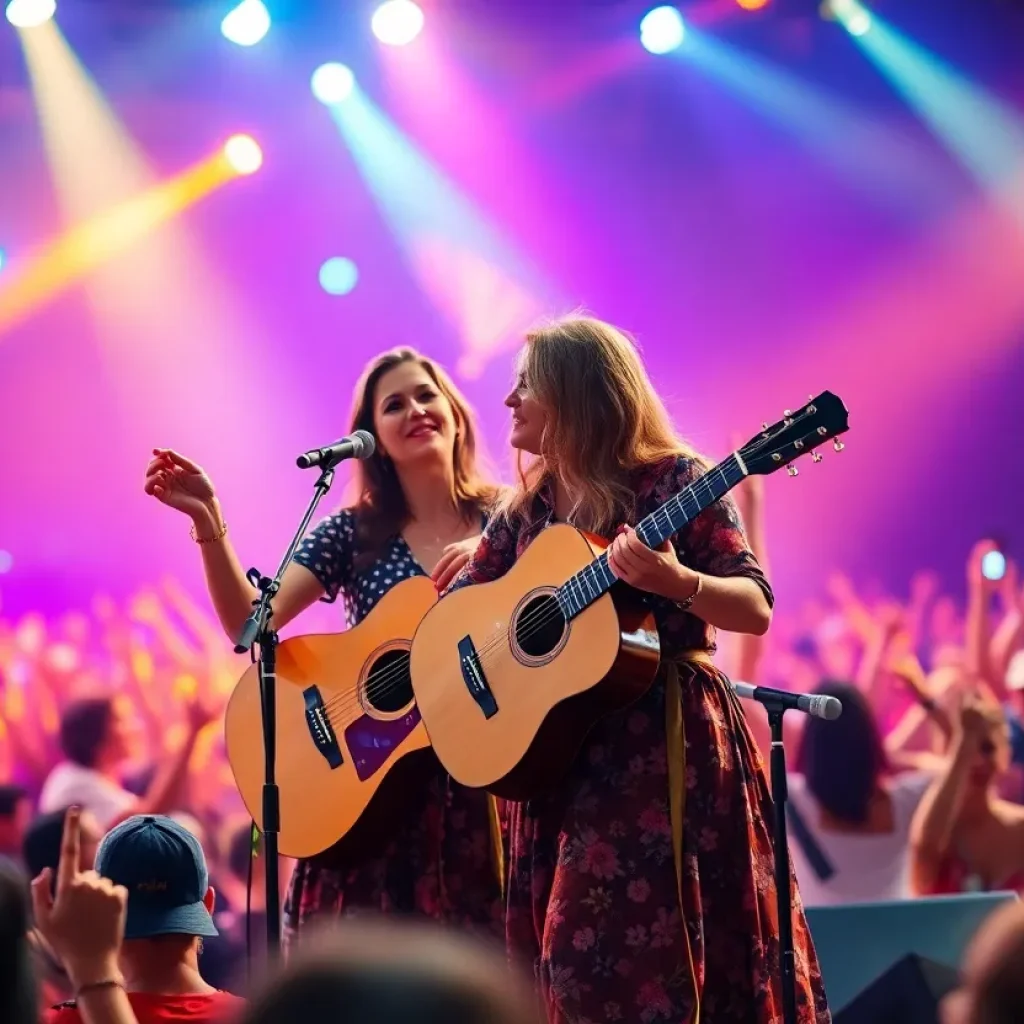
column 497, row 841
column 675, row 746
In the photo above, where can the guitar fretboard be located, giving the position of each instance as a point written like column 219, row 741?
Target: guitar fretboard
column 585, row 587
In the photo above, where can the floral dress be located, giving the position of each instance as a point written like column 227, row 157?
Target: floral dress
column 596, row 903
column 439, row 861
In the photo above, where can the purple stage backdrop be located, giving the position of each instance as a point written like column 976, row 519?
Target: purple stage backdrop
column 769, row 213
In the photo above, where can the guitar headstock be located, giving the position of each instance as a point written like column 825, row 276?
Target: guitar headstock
column 798, row 433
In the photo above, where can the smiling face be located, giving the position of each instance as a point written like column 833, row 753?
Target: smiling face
column 412, row 418
column 529, row 416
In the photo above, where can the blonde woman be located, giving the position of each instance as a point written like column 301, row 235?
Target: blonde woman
column 641, row 889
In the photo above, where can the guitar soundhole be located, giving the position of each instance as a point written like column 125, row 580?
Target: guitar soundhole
column 389, row 684
column 540, row 626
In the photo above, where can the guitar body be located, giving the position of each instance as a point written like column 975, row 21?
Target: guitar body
column 507, row 689
column 346, row 719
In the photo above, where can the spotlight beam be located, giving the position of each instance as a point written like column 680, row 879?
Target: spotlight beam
column 461, row 261
column 246, row 24
column 28, row 14
column 983, row 134
column 397, row 22
column 98, row 240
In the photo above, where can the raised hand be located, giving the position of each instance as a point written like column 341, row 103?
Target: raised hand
column 83, row 921
column 977, row 716
column 180, row 483
column 977, row 581
column 199, row 713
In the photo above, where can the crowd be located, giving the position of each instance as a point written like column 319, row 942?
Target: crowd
column 914, row 790
column 118, row 801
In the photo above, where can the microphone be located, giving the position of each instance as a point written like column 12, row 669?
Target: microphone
column 817, row 705
column 359, row 445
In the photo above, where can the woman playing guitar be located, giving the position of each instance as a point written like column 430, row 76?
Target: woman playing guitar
column 642, row 885
column 420, row 509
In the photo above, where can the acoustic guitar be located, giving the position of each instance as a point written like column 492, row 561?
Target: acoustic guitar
column 509, row 676
column 345, row 719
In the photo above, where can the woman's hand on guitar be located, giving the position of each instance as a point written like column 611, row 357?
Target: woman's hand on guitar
column 453, row 559
column 180, row 483
column 654, row 570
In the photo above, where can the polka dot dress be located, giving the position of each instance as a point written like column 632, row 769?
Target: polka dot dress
column 328, row 553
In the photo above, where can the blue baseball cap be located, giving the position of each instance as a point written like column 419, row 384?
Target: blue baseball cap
column 163, row 868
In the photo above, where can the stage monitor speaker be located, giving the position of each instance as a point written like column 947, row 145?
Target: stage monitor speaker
column 858, row 943
column 908, row 993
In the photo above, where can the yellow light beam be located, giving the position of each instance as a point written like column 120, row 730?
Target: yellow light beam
column 104, row 236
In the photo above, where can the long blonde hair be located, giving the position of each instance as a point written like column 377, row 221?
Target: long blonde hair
column 381, row 507
column 604, row 420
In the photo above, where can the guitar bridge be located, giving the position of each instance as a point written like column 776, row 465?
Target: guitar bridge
column 320, row 728
column 474, row 678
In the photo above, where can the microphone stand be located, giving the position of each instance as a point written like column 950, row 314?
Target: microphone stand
column 783, row 883
column 259, row 632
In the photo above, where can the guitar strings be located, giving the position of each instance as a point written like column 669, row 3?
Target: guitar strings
column 395, row 676
column 534, row 621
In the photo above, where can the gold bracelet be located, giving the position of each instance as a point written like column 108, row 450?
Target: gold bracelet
column 98, row 986
column 221, row 534
column 685, row 605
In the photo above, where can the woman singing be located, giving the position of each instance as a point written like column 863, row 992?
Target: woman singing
column 420, row 509
column 642, row 887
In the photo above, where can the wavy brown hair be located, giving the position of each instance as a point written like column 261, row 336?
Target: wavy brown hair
column 381, row 508
column 604, row 420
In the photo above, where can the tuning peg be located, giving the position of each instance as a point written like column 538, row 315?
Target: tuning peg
column 816, row 456
column 764, row 426
column 792, row 471
column 837, row 445
column 787, row 412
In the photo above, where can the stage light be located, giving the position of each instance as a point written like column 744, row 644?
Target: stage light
column 30, row 13
column 752, row 5
column 332, row 83
column 338, row 276
column 243, row 153
column 662, row 30
column 397, row 22
column 858, row 23
column 849, row 13
column 246, row 24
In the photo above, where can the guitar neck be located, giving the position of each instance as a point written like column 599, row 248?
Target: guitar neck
column 586, row 586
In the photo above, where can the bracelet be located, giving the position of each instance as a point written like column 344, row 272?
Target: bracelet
column 685, row 605
column 220, row 535
column 98, row 986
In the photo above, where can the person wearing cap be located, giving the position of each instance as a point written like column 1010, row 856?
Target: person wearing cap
column 169, row 912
